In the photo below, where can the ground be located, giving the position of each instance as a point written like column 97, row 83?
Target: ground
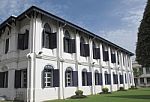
column 139, row 95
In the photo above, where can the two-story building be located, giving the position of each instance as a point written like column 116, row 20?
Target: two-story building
column 44, row 57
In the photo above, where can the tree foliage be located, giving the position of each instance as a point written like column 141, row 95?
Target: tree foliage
column 143, row 43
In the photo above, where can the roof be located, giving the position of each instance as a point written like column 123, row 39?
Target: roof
column 36, row 9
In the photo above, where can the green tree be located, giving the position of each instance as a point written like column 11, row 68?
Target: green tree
column 143, row 43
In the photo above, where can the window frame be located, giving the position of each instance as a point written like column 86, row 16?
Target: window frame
column 84, row 77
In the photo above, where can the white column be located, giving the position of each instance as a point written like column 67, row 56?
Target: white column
column 116, row 67
column 60, row 62
column 100, row 62
column 110, row 72
column 91, row 66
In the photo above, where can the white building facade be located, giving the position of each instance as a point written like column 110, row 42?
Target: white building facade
column 44, row 57
column 143, row 79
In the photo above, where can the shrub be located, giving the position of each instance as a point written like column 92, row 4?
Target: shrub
column 121, row 89
column 79, row 92
column 105, row 90
column 133, row 87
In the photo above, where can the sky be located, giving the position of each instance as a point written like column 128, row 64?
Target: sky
column 114, row 20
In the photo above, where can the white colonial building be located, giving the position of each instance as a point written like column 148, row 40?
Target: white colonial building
column 44, row 57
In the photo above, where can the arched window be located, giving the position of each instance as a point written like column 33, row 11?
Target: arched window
column 125, row 78
column 66, row 41
column 96, row 51
column 106, row 78
column 97, row 81
column 105, row 52
column 115, row 78
column 84, row 77
column 69, row 77
column 49, row 39
column 121, row 78
column 48, row 75
column 84, row 48
column 69, row 44
column 46, row 36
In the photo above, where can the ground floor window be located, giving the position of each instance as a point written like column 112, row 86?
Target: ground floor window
column 107, row 78
column 141, row 80
column 148, row 80
column 136, row 81
column 121, row 79
column 115, row 78
column 69, row 77
column 50, row 77
column 97, row 78
column 86, row 78
column 21, row 78
column 4, row 79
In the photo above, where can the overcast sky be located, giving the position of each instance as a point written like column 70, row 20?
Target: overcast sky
column 115, row 20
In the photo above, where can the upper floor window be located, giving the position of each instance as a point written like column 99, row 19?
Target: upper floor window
column 4, row 79
column 69, row 44
column 23, row 40
column 49, row 39
column 105, row 53
column 113, row 56
column 147, row 70
column 84, row 48
column 96, row 52
column 6, row 45
column 118, row 57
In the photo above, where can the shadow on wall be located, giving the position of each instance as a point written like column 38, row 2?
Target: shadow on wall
column 133, row 96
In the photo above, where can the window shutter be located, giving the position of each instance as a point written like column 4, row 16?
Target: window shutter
column 75, row 78
column 116, row 79
column 65, row 46
column 113, row 58
column 43, row 79
column 56, row 78
column 53, row 40
column 26, row 39
column 6, row 86
column 96, row 53
column 73, row 46
column 81, row 49
column 6, row 46
column 65, row 78
column 100, row 79
column 87, row 52
column 109, row 79
column 21, row 41
column 105, row 56
column 18, row 79
column 121, row 79
column 43, row 39
column 1, row 79
column 89, row 78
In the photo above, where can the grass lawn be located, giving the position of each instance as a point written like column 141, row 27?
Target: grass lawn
column 139, row 95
